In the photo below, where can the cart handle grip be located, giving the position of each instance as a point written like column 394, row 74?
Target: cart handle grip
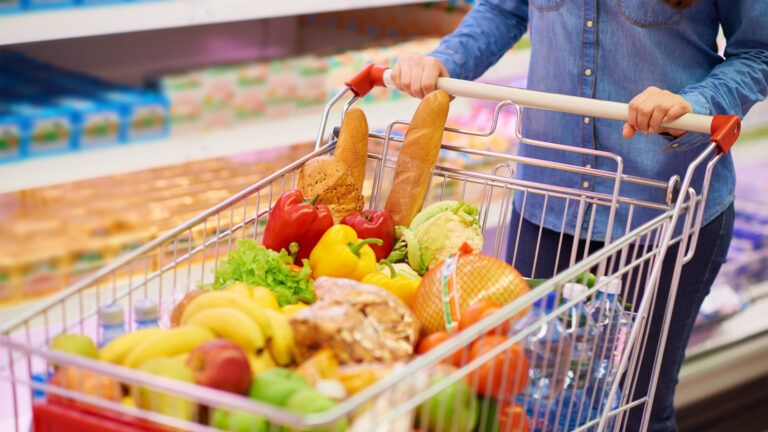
column 723, row 129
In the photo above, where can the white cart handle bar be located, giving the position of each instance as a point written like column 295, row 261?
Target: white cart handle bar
column 723, row 129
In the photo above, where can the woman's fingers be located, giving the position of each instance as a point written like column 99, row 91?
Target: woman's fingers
column 652, row 108
column 417, row 75
column 628, row 131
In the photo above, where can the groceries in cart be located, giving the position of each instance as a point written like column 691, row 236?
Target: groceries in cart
column 330, row 300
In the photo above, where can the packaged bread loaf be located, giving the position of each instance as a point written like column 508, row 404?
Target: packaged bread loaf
column 418, row 157
column 359, row 323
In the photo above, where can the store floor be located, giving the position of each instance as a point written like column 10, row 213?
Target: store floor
column 742, row 409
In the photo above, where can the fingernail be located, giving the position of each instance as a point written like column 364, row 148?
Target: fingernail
column 650, row 130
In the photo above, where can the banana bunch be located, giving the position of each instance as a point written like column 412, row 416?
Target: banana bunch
column 250, row 317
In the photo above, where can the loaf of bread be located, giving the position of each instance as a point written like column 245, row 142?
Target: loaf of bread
column 352, row 146
column 418, row 157
column 330, row 180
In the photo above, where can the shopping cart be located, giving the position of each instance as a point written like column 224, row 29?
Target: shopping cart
column 169, row 266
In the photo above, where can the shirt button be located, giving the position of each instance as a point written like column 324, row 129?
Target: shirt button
column 674, row 145
column 590, row 23
column 587, row 166
column 585, row 184
column 588, row 72
column 586, row 120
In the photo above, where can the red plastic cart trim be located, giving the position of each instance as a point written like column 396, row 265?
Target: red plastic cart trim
column 371, row 76
column 724, row 131
column 58, row 417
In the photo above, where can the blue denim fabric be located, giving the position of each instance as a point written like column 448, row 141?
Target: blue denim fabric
column 695, row 282
column 630, row 45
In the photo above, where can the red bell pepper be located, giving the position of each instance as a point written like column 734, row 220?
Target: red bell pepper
column 296, row 225
column 374, row 224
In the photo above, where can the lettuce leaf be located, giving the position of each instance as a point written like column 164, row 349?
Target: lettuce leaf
column 256, row 265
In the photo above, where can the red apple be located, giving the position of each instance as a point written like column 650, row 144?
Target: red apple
column 221, row 364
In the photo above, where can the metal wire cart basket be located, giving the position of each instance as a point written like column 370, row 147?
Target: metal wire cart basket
column 630, row 265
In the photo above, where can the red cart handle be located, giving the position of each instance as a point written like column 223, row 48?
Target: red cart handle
column 723, row 129
column 371, row 76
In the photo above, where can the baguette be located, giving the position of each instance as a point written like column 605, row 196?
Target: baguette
column 352, row 147
column 418, row 156
column 329, row 180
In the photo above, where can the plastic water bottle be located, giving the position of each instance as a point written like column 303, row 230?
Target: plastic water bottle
column 146, row 313
column 573, row 404
column 548, row 350
column 112, row 322
column 610, row 321
column 584, row 337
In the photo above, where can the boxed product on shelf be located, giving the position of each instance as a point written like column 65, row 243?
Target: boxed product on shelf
column 54, row 236
column 62, row 110
column 47, row 4
column 250, row 100
column 10, row 6
column 13, row 135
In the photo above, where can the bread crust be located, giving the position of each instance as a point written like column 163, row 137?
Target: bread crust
column 352, row 146
column 330, row 180
column 417, row 159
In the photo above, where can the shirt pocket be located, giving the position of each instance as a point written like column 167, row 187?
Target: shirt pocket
column 649, row 13
column 546, row 5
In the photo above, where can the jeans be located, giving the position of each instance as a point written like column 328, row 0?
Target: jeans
column 696, row 280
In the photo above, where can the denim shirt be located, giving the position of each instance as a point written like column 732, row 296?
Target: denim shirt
column 613, row 50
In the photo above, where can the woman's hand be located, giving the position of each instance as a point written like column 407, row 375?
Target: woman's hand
column 651, row 108
column 417, row 74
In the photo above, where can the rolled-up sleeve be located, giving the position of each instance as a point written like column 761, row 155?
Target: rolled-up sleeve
column 486, row 33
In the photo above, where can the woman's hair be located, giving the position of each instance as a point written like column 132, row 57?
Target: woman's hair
column 680, row 4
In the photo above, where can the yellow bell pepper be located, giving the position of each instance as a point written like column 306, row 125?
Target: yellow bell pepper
column 339, row 253
column 399, row 286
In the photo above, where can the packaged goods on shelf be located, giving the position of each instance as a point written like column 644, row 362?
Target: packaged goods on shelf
column 31, row 6
column 57, row 235
column 747, row 262
column 218, row 96
column 46, row 109
column 10, row 6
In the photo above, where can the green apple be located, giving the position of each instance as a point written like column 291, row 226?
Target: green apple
column 276, row 385
column 309, row 401
column 164, row 403
column 453, row 409
column 75, row 344
column 238, row 421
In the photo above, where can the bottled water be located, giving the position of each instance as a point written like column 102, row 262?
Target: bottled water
column 112, row 322
column 572, row 407
column 146, row 313
column 610, row 321
column 548, row 350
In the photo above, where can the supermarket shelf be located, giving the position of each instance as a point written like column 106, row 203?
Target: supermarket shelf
column 259, row 135
column 729, row 354
column 162, row 14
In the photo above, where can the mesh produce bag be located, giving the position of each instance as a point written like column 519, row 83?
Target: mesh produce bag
column 461, row 280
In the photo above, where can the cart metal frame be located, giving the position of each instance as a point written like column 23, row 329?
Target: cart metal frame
column 171, row 264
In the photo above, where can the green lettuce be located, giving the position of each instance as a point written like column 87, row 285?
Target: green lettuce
column 256, row 265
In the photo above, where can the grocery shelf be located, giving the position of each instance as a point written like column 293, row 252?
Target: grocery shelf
column 258, row 135
column 726, row 355
column 161, row 14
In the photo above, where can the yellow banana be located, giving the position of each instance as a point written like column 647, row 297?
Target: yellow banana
column 239, row 288
column 171, row 343
column 260, row 362
column 281, row 344
column 231, row 324
column 293, row 308
column 118, row 349
column 217, row 299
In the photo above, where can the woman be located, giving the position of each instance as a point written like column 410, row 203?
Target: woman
column 661, row 55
